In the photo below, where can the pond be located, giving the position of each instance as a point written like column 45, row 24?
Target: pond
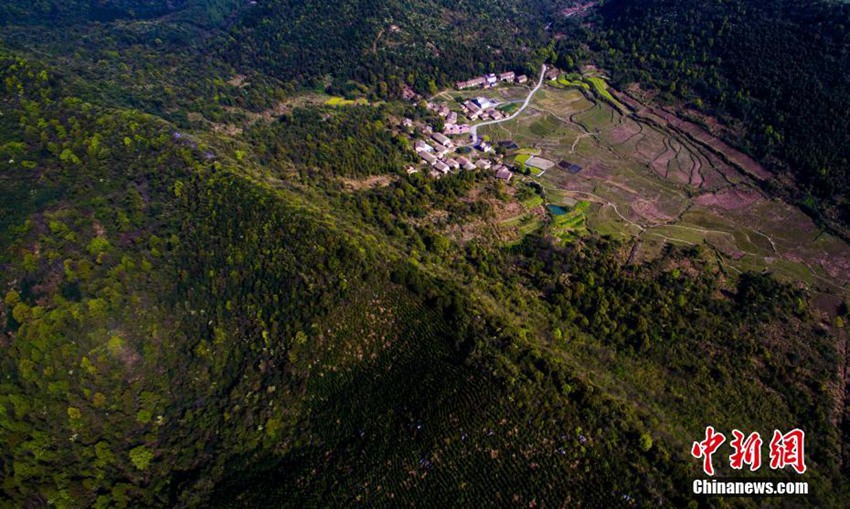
column 556, row 210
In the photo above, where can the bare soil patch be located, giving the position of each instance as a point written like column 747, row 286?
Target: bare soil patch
column 729, row 199
column 661, row 163
column 650, row 212
column 623, row 132
column 368, row 183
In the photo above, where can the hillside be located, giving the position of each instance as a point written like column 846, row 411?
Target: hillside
column 423, row 44
column 774, row 69
column 77, row 11
column 220, row 287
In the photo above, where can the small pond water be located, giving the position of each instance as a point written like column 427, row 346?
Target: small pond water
column 556, row 210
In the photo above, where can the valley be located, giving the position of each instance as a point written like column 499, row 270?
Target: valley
column 648, row 183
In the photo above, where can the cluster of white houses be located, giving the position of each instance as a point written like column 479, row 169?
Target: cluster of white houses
column 450, row 122
column 439, row 155
column 491, row 80
column 437, row 151
column 481, row 108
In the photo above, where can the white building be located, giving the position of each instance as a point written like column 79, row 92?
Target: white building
column 421, row 146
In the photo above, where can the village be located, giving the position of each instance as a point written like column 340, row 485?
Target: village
column 455, row 147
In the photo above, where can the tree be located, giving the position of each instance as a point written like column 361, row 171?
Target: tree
column 141, row 457
column 645, row 442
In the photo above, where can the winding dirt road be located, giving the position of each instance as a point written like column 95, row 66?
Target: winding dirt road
column 474, row 130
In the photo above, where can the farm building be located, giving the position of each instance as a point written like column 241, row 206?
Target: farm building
column 457, row 129
column 521, row 78
column 442, row 140
column 441, row 166
column 430, row 159
column 484, row 103
column 507, row 76
column 503, row 173
column 421, row 146
column 474, row 82
column 483, row 146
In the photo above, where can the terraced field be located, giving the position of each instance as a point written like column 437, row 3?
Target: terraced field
column 651, row 183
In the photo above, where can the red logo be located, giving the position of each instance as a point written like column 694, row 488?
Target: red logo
column 786, row 450
column 707, row 447
column 747, row 452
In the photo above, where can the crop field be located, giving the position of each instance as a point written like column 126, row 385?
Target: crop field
column 509, row 108
column 514, row 229
column 532, row 163
column 533, row 202
column 572, row 223
column 647, row 184
column 570, row 81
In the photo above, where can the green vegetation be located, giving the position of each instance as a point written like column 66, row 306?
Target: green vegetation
column 508, row 108
column 601, row 89
column 199, row 310
column 777, row 66
column 572, row 80
column 532, row 202
column 571, row 225
column 342, row 101
column 521, row 159
column 388, row 44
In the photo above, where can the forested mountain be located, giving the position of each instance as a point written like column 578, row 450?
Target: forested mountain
column 75, row 11
column 193, row 315
column 777, row 67
column 371, row 41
